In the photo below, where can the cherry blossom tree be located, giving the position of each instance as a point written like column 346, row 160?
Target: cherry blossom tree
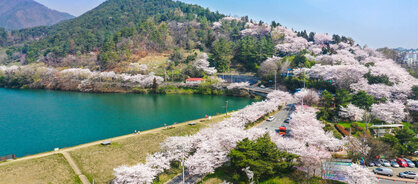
column 389, row 112
column 360, row 175
column 252, row 29
column 269, row 66
column 352, row 112
column 289, row 42
column 354, row 145
column 322, row 38
column 413, row 105
column 343, row 75
column 239, row 85
column 136, row 67
column 137, row 174
column 202, row 63
column 308, row 96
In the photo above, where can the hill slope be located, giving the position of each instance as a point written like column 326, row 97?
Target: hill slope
column 18, row 14
column 90, row 31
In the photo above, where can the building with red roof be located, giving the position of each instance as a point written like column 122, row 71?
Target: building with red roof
column 194, row 81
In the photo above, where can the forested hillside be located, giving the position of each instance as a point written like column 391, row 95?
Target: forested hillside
column 92, row 30
column 124, row 30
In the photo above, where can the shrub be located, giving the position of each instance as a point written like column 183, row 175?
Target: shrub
column 342, row 130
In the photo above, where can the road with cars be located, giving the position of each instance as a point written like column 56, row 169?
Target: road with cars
column 278, row 120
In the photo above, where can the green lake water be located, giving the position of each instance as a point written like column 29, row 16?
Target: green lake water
column 34, row 121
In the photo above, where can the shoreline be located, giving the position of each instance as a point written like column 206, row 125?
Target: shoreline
column 133, row 91
column 98, row 142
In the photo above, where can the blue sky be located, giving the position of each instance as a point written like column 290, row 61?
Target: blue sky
column 377, row 23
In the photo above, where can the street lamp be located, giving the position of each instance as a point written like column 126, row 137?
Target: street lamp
column 182, row 162
column 226, row 107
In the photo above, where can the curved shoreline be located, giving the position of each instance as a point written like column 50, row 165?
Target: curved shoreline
column 44, row 154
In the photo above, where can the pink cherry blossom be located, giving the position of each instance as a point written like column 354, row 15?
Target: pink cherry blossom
column 322, row 38
column 239, row 85
column 413, row 105
column 352, row 112
column 360, row 175
column 308, row 96
column 202, row 63
column 389, row 112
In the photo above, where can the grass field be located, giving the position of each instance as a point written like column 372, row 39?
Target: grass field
column 50, row 169
column 97, row 162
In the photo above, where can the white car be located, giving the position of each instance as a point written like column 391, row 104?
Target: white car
column 271, row 118
column 410, row 163
column 408, row 174
column 385, row 163
column 383, row 171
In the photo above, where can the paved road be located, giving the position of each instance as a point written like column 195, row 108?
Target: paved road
column 278, row 121
column 269, row 125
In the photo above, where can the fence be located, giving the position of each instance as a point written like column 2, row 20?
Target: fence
column 7, row 157
column 239, row 78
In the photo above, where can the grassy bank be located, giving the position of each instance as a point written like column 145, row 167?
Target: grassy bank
column 49, row 169
column 97, row 162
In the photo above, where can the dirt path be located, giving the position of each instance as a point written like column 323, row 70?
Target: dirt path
column 77, row 170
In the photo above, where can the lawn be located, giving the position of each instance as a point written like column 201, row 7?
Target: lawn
column 49, row 169
column 348, row 125
column 97, row 162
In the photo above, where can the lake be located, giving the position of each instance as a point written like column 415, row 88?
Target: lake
column 34, row 121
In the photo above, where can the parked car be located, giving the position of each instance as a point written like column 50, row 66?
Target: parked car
column 282, row 130
column 416, row 163
column 393, row 163
column 370, row 164
column 287, row 120
column 377, row 164
column 401, row 162
column 409, row 162
column 383, row 171
column 384, row 162
column 408, row 174
column 271, row 118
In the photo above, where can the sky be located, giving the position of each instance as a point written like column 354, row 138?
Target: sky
column 376, row 23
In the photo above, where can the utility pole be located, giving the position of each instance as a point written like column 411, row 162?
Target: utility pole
column 182, row 162
column 275, row 80
column 226, row 107
column 304, row 85
column 183, row 167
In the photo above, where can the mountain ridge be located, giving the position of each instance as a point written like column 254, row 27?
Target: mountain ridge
column 19, row 14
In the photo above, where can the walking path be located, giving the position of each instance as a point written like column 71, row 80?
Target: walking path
column 72, row 163
column 388, row 179
column 100, row 141
column 77, row 170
